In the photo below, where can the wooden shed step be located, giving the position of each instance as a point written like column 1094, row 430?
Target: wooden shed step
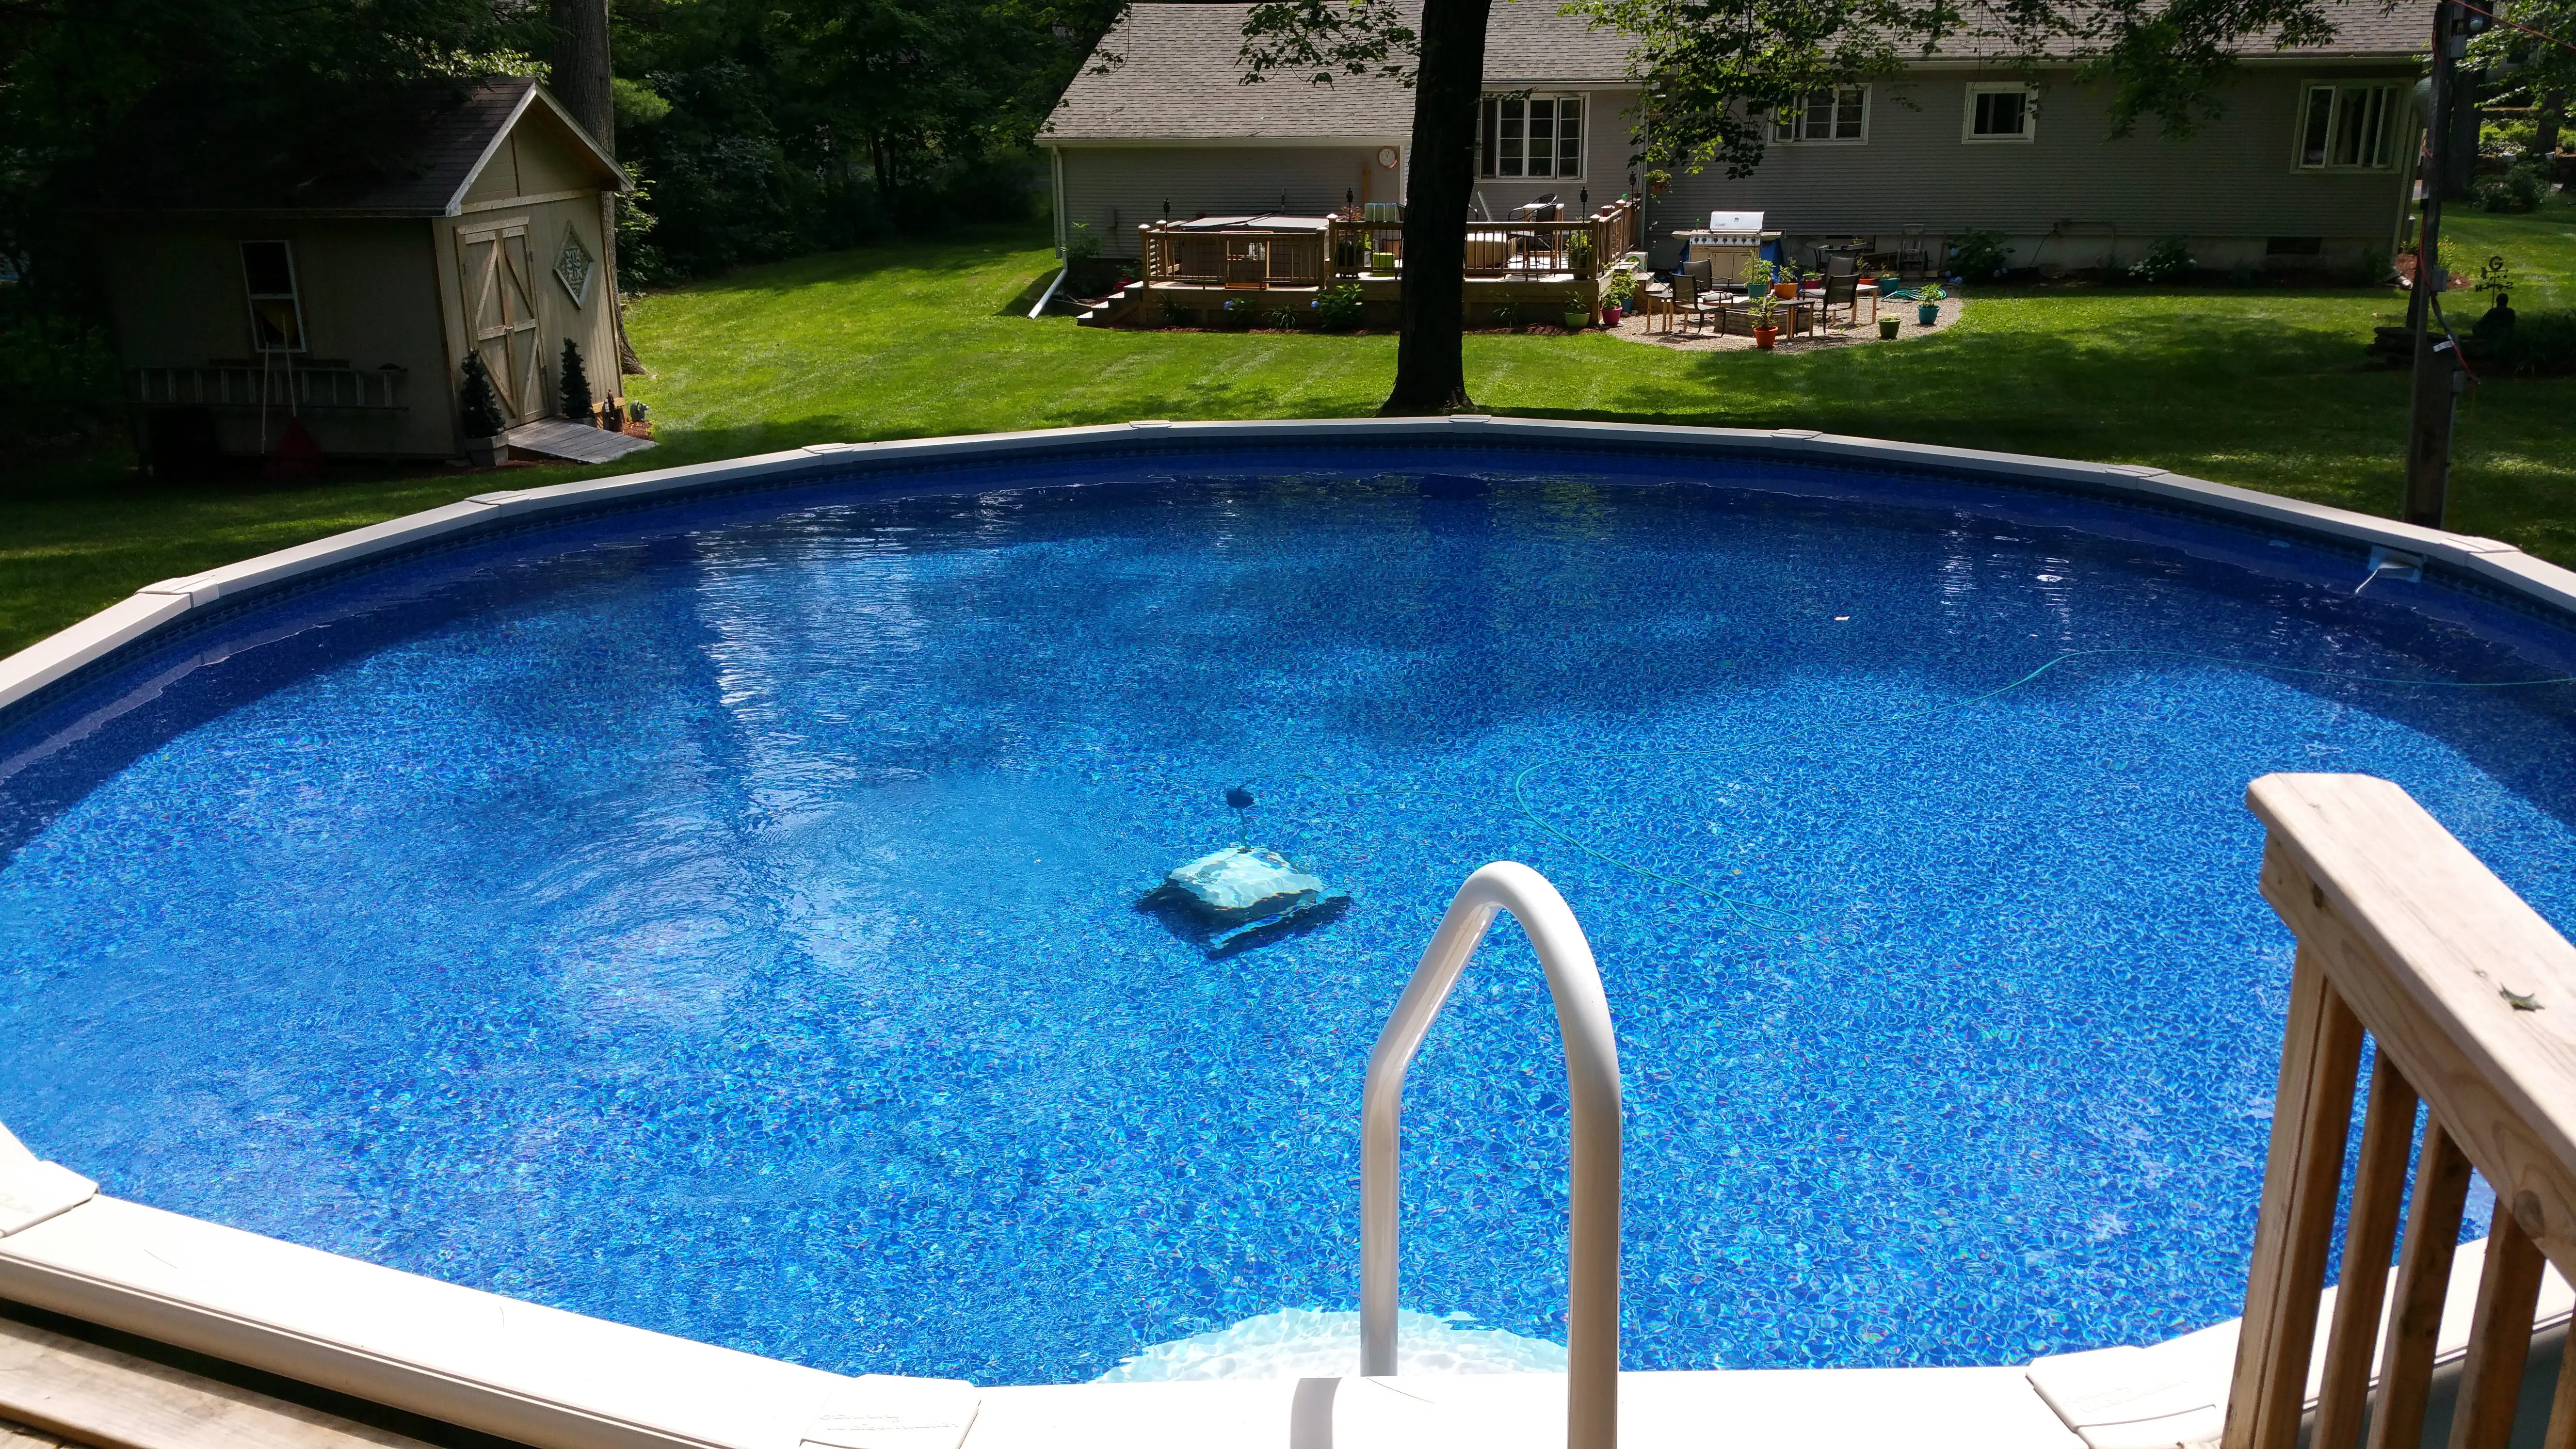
column 579, row 442
column 95, row 1396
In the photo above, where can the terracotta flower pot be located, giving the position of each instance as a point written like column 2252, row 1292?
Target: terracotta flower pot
column 1785, row 291
column 1766, row 337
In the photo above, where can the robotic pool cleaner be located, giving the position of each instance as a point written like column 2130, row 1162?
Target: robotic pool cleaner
column 1243, row 896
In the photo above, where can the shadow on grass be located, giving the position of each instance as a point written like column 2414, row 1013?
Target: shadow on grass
column 960, row 250
column 1022, row 302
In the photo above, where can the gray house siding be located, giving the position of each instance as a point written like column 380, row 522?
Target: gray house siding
column 1119, row 188
column 2069, row 197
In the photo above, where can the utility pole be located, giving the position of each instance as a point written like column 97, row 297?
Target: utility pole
column 2433, row 402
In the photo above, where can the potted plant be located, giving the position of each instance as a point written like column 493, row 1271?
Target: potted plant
column 1887, row 328
column 1656, row 181
column 478, row 415
column 1927, row 300
column 1576, row 319
column 1578, row 255
column 1616, row 296
column 1763, row 304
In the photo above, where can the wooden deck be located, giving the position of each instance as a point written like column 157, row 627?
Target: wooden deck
column 1515, row 271
column 58, row 1392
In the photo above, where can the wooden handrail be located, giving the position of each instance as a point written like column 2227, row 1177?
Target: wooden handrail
column 2405, row 937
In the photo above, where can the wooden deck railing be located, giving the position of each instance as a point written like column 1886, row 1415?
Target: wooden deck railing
column 1242, row 256
column 1255, row 255
column 1501, row 248
column 2471, row 997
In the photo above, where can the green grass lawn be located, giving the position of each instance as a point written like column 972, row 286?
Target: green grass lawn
column 2257, row 387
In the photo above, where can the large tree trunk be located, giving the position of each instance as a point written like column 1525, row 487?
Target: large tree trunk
column 581, row 74
column 581, row 81
column 1430, row 361
column 2551, row 112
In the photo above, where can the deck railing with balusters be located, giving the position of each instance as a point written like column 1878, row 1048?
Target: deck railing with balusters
column 1500, row 248
column 2470, row 996
column 1237, row 256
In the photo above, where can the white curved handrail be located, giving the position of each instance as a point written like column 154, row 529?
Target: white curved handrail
column 1592, row 1085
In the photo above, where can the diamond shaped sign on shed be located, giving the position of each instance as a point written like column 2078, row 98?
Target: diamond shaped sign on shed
column 574, row 267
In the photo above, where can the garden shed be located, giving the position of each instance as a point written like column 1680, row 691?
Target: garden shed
column 349, row 302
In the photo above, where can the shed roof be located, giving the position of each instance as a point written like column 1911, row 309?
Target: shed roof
column 1170, row 72
column 423, row 169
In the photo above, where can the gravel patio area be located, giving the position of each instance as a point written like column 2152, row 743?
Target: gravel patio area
column 1633, row 329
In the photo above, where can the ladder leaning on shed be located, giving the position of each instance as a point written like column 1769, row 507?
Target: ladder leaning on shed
column 2471, row 997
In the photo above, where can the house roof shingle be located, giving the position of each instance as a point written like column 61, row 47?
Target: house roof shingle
column 1176, row 76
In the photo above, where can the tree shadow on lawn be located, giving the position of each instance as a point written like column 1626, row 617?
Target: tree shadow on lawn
column 955, row 252
column 2166, row 379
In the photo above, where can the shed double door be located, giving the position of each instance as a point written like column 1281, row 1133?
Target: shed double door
column 499, row 288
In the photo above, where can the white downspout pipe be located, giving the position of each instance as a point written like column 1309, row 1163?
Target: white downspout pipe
column 1592, row 1085
column 1050, row 293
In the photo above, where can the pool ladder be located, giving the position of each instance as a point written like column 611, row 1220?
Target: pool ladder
column 1592, row 1086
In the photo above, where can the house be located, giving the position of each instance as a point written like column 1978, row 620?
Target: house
column 2306, row 166
column 349, row 304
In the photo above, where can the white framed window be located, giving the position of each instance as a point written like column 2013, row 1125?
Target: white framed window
column 2348, row 127
column 276, row 312
column 1838, row 116
column 1530, row 136
column 1999, row 111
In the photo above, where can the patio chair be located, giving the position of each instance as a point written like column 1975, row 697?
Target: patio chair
column 1844, row 292
column 1688, row 301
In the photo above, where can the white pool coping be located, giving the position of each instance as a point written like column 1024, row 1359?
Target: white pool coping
column 158, row 607
column 560, row 1380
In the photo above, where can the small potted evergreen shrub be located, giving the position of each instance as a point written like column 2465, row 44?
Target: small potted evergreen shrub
column 478, row 415
column 572, row 384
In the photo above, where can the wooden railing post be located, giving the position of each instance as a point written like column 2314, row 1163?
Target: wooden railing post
column 2423, row 1286
column 2499, row 1335
column 2378, row 1197
column 2311, row 1117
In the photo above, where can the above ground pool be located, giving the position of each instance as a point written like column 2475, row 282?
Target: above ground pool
column 723, row 916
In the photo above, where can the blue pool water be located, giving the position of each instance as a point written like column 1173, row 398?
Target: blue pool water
column 720, row 918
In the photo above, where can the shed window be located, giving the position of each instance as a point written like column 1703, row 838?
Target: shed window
column 1841, row 115
column 2347, row 127
column 1531, row 136
column 276, row 314
column 1999, row 113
